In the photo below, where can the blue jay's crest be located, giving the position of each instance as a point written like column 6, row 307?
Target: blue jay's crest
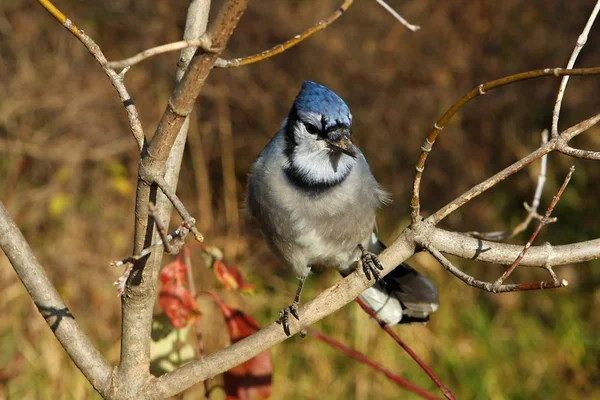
column 317, row 99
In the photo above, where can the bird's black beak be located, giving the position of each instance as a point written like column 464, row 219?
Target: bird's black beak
column 340, row 139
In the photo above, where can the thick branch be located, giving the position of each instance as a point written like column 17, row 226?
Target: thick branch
column 323, row 305
column 138, row 300
column 460, row 245
column 83, row 353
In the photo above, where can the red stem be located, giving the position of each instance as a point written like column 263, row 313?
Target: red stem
column 447, row 393
column 365, row 360
column 187, row 260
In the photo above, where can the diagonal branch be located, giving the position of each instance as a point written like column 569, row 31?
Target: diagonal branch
column 447, row 393
column 117, row 79
column 399, row 17
column 366, row 360
column 324, row 304
column 545, row 220
column 488, row 286
column 75, row 342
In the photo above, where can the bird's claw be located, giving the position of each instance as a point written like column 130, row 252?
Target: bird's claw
column 284, row 317
column 370, row 264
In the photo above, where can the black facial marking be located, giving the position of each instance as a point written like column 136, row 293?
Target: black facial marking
column 301, row 181
column 310, row 128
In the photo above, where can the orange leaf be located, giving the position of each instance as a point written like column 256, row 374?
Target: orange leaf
column 250, row 380
column 231, row 277
column 174, row 297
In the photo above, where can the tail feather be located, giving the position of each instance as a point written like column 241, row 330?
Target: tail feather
column 407, row 297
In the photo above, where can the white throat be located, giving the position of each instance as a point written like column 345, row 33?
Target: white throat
column 320, row 166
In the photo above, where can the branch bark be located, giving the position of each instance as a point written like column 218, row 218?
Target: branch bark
column 75, row 342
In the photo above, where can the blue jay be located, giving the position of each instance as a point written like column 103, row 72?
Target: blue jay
column 313, row 195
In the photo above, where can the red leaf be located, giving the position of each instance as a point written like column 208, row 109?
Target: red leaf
column 174, row 297
column 231, row 277
column 250, row 380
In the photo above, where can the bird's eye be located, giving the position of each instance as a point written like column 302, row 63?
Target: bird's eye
column 313, row 130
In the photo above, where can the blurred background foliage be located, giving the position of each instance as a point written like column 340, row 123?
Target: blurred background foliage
column 68, row 169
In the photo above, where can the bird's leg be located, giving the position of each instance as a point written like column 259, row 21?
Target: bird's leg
column 370, row 264
column 284, row 314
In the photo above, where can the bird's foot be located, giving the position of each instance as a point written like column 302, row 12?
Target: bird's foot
column 370, row 264
column 284, row 317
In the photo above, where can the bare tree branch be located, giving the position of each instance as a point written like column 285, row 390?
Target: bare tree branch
column 163, row 159
column 324, row 304
column 115, row 78
column 578, row 153
column 581, row 40
column 399, row 17
column 542, row 222
column 203, row 43
column 75, row 342
column 478, row 91
column 280, row 48
column 488, row 286
column 460, row 245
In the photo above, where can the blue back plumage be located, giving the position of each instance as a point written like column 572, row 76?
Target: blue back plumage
column 318, row 99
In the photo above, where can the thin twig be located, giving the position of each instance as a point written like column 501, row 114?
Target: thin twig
column 116, row 78
column 187, row 260
column 203, row 43
column 447, row 393
column 488, row 286
column 188, row 220
column 366, row 360
column 395, row 14
column 542, row 222
column 535, row 203
column 581, row 40
column 578, row 153
column 179, row 234
column 478, row 91
column 162, row 231
column 280, row 48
